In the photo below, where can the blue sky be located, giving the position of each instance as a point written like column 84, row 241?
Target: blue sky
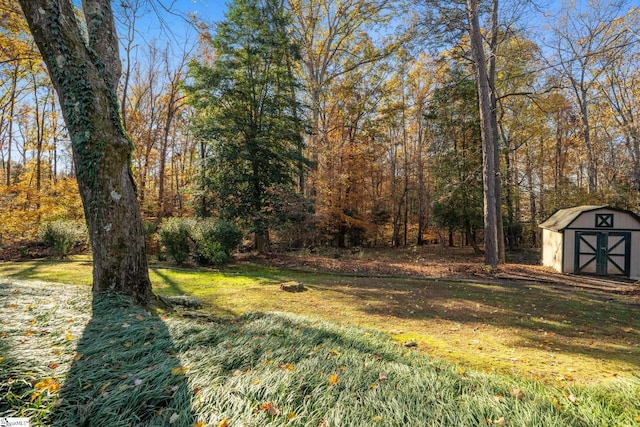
column 213, row 10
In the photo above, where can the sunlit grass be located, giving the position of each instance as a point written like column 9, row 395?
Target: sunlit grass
column 549, row 334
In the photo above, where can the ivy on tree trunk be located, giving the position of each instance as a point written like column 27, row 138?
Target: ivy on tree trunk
column 84, row 66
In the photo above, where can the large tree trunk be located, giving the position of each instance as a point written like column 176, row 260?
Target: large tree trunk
column 489, row 140
column 493, row 47
column 85, row 74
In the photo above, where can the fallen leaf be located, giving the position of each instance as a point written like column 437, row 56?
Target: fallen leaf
column 572, row 397
column 127, row 344
column 290, row 415
column 48, row 384
column 224, row 423
column 69, row 336
column 517, row 394
column 51, row 366
column 173, row 418
column 1, row 359
column 382, row 377
column 199, row 424
column 500, row 421
column 287, row 366
column 461, row 371
column 270, row 408
column 34, row 396
column 29, row 332
column 333, row 379
column 179, row 370
column 77, row 356
column 104, row 387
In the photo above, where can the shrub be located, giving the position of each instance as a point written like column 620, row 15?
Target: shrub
column 150, row 230
column 62, row 235
column 210, row 241
column 215, row 240
column 175, row 237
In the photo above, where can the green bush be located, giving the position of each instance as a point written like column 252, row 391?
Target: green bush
column 62, row 235
column 209, row 241
column 215, row 240
column 175, row 237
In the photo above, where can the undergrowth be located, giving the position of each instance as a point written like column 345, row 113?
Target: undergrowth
column 69, row 362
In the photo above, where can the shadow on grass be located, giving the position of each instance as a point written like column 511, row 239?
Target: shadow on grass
column 125, row 372
column 24, row 270
column 573, row 317
column 172, row 284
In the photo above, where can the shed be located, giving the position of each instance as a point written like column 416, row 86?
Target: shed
column 599, row 240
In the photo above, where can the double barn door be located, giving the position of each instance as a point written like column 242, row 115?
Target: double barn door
column 603, row 252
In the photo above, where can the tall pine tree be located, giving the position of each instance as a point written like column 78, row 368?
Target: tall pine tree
column 248, row 113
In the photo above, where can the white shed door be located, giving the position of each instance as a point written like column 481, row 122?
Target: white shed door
column 603, row 253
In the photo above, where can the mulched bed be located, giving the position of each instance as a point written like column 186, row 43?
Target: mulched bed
column 26, row 250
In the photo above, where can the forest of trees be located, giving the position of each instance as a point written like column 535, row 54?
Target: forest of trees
column 351, row 123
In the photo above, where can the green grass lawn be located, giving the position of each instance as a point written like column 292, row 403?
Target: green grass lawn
column 488, row 354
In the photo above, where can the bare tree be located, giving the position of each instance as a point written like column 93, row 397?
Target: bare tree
column 488, row 125
column 586, row 43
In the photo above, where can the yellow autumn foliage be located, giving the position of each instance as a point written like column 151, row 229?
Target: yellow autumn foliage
column 23, row 208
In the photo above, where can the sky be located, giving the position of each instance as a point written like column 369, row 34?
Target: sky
column 210, row 11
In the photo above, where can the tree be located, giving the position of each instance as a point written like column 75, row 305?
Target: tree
column 490, row 146
column 247, row 111
column 587, row 44
column 456, row 154
column 331, row 36
column 85, row 72
column 619, row 87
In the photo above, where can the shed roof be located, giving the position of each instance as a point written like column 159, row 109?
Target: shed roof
column 563, row 217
